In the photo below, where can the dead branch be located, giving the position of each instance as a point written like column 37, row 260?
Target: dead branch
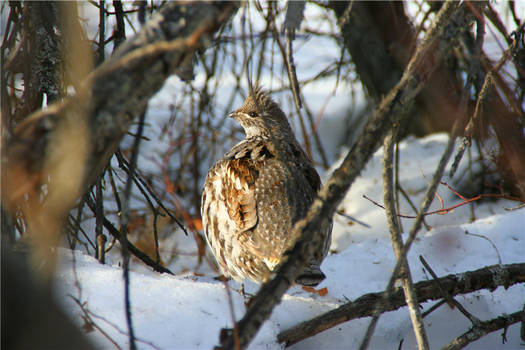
column 443, row 210
column 124, row 221
column 117, row 90
column 490, row 277
column 439, row 40
column 484, row 328
column 132, row 249
column 383, row 55
column 451, row 301
column 397, row 241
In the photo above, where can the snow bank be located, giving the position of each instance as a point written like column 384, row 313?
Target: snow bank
column 187, row 311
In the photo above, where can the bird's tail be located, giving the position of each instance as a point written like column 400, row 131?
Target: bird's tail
column 311, row 276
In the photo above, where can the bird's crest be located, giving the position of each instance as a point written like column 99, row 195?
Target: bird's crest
column 260, row 99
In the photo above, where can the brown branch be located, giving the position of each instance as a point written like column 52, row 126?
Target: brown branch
column 484, row 328
column 425, row 204
column 132, row 249
column 443, row 211
column 114, row 92
column 490, row 277
column 439, row 40
column 447, row 296
column 397, row 242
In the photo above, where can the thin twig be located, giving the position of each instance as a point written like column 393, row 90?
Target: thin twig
column 429, row 196
column 433, row 308
column 397, row 186
column 246, row 63
column 101, row 31
column 87, row 318
column 364, row 224
column 489, row 277
column 156, row 237
column 484, row 328
column 133, row 250
column 443, row 210
column 409, row 201
column 99, row 215
column 90, row 315
column 79, row 227
column 397, row 242
column 447, row 295
column 292, row 74
column 232, row 314
column 487, row 239
column 142, row 184
column 124, row 221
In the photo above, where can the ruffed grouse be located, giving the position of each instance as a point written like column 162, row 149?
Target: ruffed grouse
column 253, row 196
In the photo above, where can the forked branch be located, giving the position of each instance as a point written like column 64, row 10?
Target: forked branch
column 490, row 277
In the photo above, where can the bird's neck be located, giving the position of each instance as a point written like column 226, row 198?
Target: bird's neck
column 277, row 133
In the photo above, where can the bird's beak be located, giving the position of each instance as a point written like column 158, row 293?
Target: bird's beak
column 232, row 114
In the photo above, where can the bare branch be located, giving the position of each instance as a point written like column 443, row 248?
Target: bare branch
column 490, row 277
column 484, row 328
column 133, row 250
column 446, row 295
column 124, row 221
column 438, row 41
column 117, row 89
column 397, row 242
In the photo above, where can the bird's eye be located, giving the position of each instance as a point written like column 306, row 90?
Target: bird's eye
column 252, row 114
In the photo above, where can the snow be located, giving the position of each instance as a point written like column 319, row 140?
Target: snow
column 188, row 310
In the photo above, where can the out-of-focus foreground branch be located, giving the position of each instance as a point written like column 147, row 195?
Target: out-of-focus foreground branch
column 118, row 90
column 101, row 110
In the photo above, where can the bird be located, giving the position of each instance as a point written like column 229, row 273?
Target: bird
column 256, row 192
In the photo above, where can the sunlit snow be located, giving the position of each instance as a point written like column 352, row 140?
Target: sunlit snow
column 187, row 311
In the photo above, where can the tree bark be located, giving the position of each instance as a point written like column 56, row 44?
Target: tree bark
column 380, row 40
column 490, row 277
column 111, row 96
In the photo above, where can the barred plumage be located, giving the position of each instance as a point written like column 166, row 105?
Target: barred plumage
column 256, row 192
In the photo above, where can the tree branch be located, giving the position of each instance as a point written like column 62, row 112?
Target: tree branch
column 439, row 40
column 397, row 242
column 132, row 249
column 484, row 328
column 111, row 96
column 490, row 277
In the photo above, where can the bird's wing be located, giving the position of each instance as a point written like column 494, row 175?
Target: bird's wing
column 303, row 162
column 239, row 182
column 229, row 206
column 228, row 201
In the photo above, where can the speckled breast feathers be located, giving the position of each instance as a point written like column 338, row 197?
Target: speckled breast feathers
column 256, row 192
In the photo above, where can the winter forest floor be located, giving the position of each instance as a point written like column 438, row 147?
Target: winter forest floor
column 187, row 311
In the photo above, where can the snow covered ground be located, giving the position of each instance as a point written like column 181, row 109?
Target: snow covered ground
column 188, row 310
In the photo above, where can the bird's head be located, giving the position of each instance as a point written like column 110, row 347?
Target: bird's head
column 259, row 115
